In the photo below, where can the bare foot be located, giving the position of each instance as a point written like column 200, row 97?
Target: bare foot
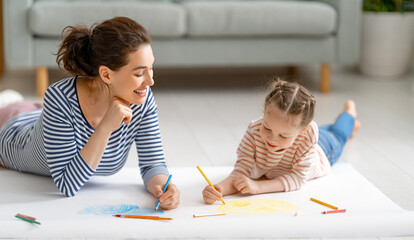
column 350, row 108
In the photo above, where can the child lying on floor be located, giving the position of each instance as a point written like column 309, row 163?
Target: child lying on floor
column 285, row 148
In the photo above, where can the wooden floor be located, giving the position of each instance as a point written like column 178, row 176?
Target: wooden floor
column 204, row 113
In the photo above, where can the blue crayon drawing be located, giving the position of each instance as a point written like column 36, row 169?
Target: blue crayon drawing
column 126, row 209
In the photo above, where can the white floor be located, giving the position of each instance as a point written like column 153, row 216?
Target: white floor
column 202, row 125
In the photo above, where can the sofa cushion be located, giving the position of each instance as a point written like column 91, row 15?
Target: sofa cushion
column 49, row 18
column 260, row 18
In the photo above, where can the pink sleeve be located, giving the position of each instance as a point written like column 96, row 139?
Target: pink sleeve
column 245, row 155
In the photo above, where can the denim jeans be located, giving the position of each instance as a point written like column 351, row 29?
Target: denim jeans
column 332, row 137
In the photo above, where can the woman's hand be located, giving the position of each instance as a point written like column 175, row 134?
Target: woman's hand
column 246, row 185
column 118, row 111
column 170, row 199
column 210, row 195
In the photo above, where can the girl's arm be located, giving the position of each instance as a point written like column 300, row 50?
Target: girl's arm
column 244, row 165
column 227, row 186
column 242, row 184
column 269, row 186
column 246, row 185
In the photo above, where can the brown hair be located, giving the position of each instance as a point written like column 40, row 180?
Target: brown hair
column 83, row 50
column 293, row 99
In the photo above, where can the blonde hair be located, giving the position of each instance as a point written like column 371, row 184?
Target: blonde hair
column 293, row 99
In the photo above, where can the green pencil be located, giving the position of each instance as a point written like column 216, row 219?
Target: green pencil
column 27, row 220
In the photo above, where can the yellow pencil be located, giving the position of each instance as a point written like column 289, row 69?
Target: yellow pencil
column 323, row 203
column 208, row 181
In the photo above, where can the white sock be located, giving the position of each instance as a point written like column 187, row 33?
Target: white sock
column 9, row 96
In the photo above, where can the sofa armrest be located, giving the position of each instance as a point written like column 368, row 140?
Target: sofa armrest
column 349, row 29
column 18, row 42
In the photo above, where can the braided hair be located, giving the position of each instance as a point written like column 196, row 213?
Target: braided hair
column 293, row 99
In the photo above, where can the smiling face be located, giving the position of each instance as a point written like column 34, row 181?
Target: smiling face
column 279, row 130
column 131, row 81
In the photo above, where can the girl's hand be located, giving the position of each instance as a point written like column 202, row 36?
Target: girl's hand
column 246, row 185
column 118, row 111
column 210, row 195
column 170, row 199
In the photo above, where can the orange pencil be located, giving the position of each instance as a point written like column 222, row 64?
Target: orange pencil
column 142, row 217
column 323, row 203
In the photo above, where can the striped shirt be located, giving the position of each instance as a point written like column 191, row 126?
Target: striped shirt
column 48, row 141
column 303, row 161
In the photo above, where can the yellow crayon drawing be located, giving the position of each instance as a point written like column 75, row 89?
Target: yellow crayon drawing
column 256, row 206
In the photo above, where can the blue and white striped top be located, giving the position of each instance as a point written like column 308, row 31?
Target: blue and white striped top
column 48, row 141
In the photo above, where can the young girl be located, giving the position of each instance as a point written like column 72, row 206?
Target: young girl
column 285, row 148
column 89, row 122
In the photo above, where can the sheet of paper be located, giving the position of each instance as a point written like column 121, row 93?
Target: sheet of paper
column 88, row 214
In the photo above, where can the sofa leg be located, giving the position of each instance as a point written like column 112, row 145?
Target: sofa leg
column 325, row 78
column 292, row 72
column 42, row 81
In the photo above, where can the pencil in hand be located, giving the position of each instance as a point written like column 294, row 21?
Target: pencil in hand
column 208, row 181
column 163, row 191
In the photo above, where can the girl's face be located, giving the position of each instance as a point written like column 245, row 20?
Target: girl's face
column 279, row 130
column 131, row 82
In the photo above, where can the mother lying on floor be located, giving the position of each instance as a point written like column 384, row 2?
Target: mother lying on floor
column 88, row 122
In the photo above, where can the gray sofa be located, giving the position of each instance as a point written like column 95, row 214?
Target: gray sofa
column 195, row 33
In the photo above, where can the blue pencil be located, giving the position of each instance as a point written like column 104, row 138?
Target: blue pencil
column 163, row 191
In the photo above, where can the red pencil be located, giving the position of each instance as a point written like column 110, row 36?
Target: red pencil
column 25, row 216
column 334, row 211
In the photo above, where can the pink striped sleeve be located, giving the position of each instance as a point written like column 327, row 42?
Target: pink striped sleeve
column 245, row 155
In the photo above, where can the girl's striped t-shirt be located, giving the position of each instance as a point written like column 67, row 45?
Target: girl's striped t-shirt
column 48, row 141
column 302, row 161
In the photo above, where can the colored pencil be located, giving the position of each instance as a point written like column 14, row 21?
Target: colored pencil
column 25, row 216
column 208, row 215
column 334, row 211
column 27, row 220
column 208, row 181
column 163, row 191
column 142, row 217
column 323, row 203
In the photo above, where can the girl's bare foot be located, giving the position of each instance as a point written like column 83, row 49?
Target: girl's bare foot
column 350, row 108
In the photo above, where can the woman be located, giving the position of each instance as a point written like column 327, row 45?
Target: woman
column 89, row 121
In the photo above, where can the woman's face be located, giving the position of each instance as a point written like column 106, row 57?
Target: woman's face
column 131, row 82
column 279, row 130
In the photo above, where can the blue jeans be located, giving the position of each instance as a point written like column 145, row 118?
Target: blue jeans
column 333, row 137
